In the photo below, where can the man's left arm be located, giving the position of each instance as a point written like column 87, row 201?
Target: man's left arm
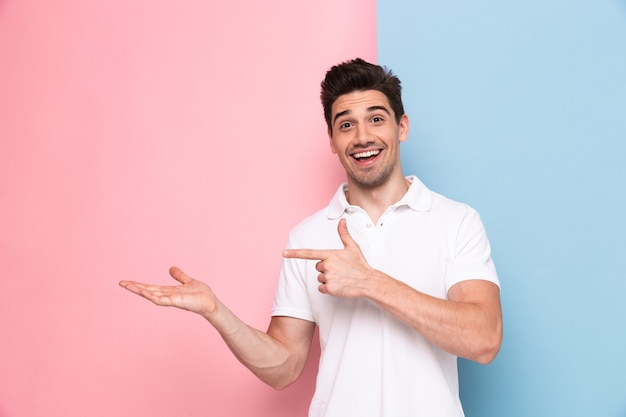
column 468, row 324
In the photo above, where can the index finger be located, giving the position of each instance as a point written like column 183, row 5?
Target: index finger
column 312, row 254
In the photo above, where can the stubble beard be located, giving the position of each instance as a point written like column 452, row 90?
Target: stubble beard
column 372, row 179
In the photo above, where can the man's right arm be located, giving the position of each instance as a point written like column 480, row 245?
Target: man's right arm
column 277, row 356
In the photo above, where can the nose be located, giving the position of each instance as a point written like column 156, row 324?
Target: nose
column 363, row 136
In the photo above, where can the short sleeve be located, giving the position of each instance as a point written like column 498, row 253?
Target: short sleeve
column 291, row 297
column 471, row 252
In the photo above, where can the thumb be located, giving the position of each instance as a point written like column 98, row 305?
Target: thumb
column 179, row 275
column 344, row 235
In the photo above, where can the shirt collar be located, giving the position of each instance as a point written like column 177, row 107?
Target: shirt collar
column 418, row 198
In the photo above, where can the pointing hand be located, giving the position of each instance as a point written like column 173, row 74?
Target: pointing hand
column 343, row 272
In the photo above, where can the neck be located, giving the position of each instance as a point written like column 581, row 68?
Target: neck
column 376, row 200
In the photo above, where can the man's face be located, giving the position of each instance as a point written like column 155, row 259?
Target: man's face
column 366, row 137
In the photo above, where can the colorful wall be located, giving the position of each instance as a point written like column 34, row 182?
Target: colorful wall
column 139, row 135
column 519, row 108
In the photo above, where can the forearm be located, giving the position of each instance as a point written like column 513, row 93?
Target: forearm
column 269, row 358
column 471, row 328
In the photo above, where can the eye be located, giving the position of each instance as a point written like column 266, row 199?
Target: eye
column 377, row 119
column 345, row 125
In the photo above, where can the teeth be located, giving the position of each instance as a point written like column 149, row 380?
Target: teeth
column 366, row 154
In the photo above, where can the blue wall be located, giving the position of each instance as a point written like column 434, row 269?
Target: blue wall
column 519, row 109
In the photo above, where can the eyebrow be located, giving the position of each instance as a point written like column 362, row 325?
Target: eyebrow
column 369, row 109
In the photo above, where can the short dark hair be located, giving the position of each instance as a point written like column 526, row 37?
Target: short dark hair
column 359, row 75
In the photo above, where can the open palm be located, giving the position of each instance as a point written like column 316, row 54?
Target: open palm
column 191, row 295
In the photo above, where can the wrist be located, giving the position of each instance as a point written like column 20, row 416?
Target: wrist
column 375, row 284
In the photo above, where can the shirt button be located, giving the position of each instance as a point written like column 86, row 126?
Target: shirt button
column 369, row 225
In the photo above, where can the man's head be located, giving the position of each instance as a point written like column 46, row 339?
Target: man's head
column 359, row 75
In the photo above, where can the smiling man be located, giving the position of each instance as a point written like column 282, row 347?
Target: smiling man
column 398, row 279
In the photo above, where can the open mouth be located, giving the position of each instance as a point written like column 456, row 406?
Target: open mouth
column 360, row 156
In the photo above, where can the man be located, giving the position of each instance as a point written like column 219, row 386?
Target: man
column 399, row 279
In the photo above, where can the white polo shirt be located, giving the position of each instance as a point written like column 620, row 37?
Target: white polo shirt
column 372, row 364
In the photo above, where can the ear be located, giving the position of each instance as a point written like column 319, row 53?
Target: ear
column 330, row 140
column 403, row 127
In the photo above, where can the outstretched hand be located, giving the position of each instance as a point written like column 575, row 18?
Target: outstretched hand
column 191, row 295
column 343, row 272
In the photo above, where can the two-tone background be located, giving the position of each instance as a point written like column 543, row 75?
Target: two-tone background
column 135, row 135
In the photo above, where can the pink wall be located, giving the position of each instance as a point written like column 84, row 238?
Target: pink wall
column 143, row 134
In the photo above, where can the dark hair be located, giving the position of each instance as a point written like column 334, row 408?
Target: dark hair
column 359, row 75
